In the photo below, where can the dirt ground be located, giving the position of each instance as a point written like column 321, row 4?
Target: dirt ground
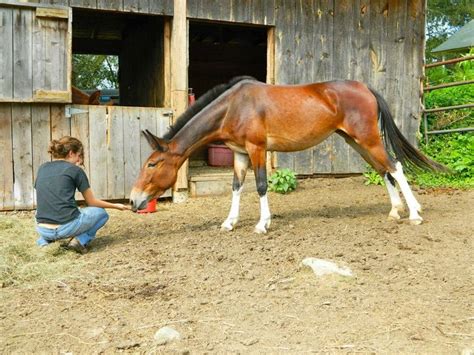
column 239, row 292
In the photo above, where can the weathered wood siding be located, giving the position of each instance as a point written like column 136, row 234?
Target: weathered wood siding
column 154, row 7
column 379, row 42
column 113, row 144
column 34, row 53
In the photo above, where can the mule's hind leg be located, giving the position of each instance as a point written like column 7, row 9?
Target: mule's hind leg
column 377, row 157
column 241, row 163
column 382, row 166
column 397, row 204
column 413, row 206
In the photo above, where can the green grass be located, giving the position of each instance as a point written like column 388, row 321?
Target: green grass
column 22, row 261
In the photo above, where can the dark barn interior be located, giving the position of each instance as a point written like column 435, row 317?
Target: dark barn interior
column 217, row 53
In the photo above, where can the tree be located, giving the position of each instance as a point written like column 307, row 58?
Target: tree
column 95, row 71
column 445, row 17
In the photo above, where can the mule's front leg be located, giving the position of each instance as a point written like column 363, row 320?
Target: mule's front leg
column 259, row 164
column 241, row 163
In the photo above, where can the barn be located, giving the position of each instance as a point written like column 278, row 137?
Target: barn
column 166, row 47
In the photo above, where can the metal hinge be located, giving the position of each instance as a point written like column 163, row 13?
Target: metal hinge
column 69, row 111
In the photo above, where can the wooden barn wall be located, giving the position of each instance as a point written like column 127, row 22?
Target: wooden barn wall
column 261, row 12
column 112, row 141
column 379, row 42
column 154, row 7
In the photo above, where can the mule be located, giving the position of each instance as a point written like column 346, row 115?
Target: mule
column 82, row 98
column 252, row 118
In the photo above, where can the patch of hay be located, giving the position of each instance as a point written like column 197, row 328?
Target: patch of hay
column 22, row 261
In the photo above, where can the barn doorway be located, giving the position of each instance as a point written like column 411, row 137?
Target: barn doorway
column 217, row 53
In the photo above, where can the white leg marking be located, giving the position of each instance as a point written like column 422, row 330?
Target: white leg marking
column 265, row 216
column 397, row 204
column 233, row 217
column 413, row 205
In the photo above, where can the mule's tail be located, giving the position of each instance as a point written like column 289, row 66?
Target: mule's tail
column 410, row 157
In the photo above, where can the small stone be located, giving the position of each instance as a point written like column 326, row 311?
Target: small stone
column 166, row 335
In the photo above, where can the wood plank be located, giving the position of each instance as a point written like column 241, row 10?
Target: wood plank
column 98, row 150
column 6, row 57
column 115, row 159
column 323, row 156
column 7, row 201
column 131, row 146
column 415, row 58
column 60, row 124
column 41, row 135
column 52, row 12
column 110, row 5
column 52, row 96
column 179, row 78
column 90, row 4
column 22, row 156
column 163, row 122
column 147, row 121
column 22, row 56
column 80, row 129
column 163, row 7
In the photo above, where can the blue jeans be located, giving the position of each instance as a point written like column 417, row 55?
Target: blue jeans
column 84, row 227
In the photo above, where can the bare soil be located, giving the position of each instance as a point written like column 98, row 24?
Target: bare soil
column 239, row 292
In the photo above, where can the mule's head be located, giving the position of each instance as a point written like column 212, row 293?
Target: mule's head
column 158, row 174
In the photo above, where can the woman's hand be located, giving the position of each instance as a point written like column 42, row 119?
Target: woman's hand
column 122, row 207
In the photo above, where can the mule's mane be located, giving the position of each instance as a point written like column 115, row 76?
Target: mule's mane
column 202, row 102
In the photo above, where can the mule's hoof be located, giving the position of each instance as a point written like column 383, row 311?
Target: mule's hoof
column 416, row 222
column 393, row 215
column 227, row 227
column 260, row 230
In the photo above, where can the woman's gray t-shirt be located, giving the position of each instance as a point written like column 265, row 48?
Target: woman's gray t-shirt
column 55, row 185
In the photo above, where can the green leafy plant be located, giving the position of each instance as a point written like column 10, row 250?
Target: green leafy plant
column 372, row 177
column 456, row 151
column 282, row 181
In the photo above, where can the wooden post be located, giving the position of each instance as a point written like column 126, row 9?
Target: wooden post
column 179, row 83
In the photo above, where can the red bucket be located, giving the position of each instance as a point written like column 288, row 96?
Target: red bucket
column 150, row 207
column 219, row 155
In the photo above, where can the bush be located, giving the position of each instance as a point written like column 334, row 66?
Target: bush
column 282, row 181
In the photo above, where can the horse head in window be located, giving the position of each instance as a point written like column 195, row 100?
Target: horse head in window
column 81, row 98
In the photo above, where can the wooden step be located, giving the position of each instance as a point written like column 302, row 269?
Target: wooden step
column 208, row 181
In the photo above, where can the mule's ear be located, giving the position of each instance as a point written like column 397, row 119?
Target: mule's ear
column 94, row 99
column 156, row 143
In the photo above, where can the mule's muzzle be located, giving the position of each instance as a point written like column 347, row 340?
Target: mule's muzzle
column 139, row 200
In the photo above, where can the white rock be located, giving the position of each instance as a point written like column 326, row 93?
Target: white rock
column 166, row 335
column 323, row 267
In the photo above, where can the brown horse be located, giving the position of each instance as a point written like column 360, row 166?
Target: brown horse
column 252, row 118
column 81, row 98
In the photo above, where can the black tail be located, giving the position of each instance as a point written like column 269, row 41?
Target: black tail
column 410, row 157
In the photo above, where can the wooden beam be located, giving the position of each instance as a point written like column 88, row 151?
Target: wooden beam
column 52, row 12
column 52, row 96
column 179, row 78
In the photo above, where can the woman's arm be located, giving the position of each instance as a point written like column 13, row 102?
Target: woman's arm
column 92, row 201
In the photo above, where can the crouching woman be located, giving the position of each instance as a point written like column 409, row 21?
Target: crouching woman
column 57, row 214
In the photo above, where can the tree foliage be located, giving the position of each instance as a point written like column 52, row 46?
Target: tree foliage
column 445, row 17
column 95, row 71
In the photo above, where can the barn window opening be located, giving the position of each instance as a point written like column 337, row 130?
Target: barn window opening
column 121, row 55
